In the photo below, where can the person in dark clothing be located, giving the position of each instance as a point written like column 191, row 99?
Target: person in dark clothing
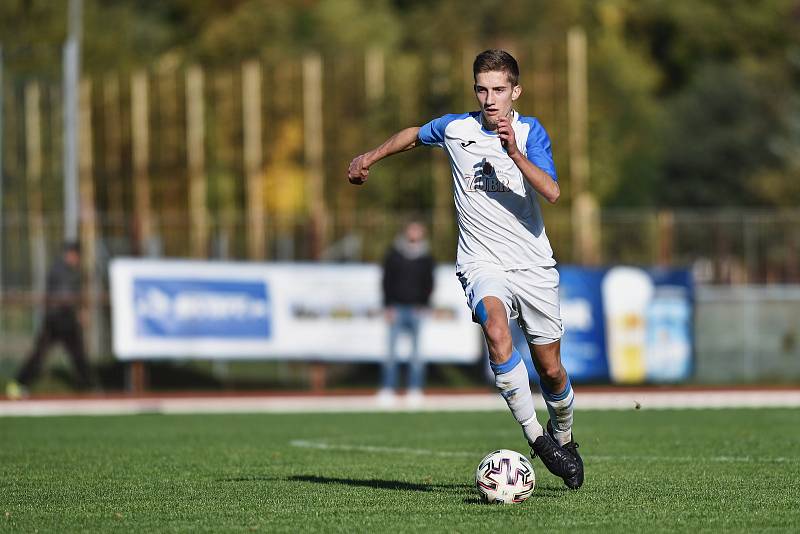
column 61, row 322
column 407, row 287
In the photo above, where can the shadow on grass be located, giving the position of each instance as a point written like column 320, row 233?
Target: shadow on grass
column 538, row 493
column 397, row 485
column 380, row 484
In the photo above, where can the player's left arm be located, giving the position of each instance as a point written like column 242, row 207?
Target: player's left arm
column 542, row 182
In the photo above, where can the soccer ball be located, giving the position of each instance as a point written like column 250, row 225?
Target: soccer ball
column 505, row 477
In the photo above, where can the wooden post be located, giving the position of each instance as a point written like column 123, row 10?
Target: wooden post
column 136, row 377
column 112, row 160
column 195, row 151
column 544, row 84
column 87, row 218
column 319, row 376
column 585, row 219
column 225, row 150
column 33, row 167
column 253, row 159
column 168, row 112
column 11, row 161
column 374, row 75
column 314, row 150
column 140, row 137
column 666, row 226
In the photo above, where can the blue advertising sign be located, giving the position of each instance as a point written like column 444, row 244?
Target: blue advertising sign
column 201, row 308
column 626, row 325
column 583, row 347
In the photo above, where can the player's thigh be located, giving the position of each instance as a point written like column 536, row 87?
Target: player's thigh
column 493, row 317
column 482, row 282
column 490, row 299
column 536, row 298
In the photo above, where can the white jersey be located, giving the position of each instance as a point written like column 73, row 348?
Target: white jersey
column 499, row 220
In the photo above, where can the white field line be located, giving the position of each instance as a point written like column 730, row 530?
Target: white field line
column 616, row 400
column 322, row 445
column 305, row 444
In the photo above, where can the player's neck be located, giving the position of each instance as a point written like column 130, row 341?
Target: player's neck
column 493, row 127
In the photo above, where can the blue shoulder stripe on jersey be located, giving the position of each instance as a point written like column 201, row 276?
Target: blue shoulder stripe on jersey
column 538, row 146
column 501, row 368
column 432, row 133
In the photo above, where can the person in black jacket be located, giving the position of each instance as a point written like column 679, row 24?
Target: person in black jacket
column 61, row 322
column 407, row 287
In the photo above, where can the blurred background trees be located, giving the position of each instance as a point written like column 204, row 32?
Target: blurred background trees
column 691, row 104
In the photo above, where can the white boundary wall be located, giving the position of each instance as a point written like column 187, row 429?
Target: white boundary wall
column 585, row 400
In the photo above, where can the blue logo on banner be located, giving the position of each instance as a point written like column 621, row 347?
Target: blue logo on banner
column 181, row 308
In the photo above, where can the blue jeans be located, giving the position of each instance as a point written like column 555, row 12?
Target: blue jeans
column 406, row 320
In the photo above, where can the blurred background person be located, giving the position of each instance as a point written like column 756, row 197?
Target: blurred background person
column 407, row 287
column 60, row 324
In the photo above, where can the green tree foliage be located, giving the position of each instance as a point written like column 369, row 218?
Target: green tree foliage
column 691, row 103
column 719, row 138
column 729, row 88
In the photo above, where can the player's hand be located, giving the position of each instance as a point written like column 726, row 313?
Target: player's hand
column 359, row 170
column 507, row 137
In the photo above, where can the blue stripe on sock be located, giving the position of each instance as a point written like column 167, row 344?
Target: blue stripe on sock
column 500, row 368
column 554, row 397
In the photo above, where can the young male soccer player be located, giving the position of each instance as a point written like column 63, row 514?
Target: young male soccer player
column 500, row 162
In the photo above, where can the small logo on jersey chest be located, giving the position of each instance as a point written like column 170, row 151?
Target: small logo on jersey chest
column 486, row 179
column 465, row 145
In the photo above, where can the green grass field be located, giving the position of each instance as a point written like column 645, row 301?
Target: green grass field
column 727, row 470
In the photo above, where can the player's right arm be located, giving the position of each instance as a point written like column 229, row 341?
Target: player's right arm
column 400, row 142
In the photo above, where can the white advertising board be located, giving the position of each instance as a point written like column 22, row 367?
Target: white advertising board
column 165, row 309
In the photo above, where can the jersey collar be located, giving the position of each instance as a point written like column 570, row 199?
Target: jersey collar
column 479, row 118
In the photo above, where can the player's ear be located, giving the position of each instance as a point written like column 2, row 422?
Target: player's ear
column 515, row 92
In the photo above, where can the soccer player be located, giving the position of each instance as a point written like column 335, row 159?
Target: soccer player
column 501, row 162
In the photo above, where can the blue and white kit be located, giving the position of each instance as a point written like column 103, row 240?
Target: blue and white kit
column 503, row 250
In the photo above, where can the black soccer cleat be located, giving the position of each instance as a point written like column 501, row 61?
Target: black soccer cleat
column 554, row 457
column 575, row 481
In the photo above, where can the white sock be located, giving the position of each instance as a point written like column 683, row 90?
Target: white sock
column 511, row 378
column 559, row 406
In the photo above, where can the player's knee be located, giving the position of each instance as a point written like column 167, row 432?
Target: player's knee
column 497, row 333
column 553, row 375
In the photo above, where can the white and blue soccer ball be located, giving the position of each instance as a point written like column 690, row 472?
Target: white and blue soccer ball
column 505, row 477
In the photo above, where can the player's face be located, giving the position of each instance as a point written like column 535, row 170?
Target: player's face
column 495, row 95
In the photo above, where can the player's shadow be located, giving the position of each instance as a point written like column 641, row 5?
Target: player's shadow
column 379, row 484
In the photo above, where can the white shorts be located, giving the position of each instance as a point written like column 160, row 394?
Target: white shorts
column 529, row 295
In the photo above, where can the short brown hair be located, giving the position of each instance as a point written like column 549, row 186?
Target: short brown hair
column 495, row 60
